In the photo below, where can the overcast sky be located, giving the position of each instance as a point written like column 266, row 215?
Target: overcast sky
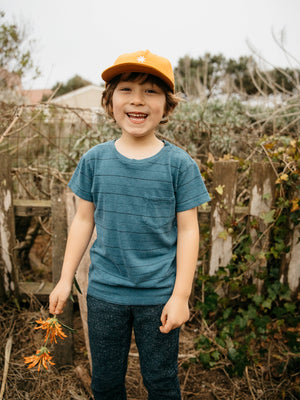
column 85, row 37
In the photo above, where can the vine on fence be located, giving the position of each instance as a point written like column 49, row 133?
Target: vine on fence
column 242, row 324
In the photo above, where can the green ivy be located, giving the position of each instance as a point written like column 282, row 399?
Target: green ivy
column 246, row 320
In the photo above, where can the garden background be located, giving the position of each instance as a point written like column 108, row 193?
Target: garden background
column 242, row 341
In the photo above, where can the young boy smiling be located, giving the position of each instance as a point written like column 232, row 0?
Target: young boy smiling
column 142, row 194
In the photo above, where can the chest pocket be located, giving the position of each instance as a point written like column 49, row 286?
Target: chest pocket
column 159, row 211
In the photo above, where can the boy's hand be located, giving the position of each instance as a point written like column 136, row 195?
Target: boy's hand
column 58, row 297
column 175, row 313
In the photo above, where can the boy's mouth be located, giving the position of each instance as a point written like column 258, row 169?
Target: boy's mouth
column 137, row 117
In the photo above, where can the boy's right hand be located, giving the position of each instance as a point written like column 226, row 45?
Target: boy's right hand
column 58, row 297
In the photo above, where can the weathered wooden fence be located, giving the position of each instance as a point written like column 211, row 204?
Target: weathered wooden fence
column 221, row 209
column 8, row 271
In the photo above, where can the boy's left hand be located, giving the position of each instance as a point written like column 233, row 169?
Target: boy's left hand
column 175, row 313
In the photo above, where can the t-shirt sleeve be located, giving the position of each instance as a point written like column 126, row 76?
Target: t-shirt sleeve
column 81, row 181
column 191, row 190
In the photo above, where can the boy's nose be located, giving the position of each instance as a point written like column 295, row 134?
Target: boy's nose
column 137, row 98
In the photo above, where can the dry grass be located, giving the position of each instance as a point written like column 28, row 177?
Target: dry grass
column 196, row 383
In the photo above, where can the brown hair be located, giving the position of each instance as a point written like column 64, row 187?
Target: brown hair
column 171, row 99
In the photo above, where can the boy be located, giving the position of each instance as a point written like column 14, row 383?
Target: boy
column 142, row 194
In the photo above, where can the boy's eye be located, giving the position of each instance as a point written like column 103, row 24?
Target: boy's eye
column 125, row 89
column 150, row 91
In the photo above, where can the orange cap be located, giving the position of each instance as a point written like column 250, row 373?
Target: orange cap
column 144, row 62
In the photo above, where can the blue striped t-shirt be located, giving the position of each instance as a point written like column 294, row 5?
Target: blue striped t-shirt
column 133, row 259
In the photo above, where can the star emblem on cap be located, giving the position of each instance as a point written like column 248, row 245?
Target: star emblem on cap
column 141, row 59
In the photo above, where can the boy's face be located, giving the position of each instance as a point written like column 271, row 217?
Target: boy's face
column 137, row 107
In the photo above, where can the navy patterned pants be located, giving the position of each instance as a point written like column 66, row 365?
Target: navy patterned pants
column 110, row 329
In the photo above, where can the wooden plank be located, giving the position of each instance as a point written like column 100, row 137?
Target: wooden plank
column 290, row 267
column 262, row 198
column 238, row 210
column 41, row 290
column 63, row 351
column 27, row 207
column 36, row 288
column 222, row 209
column 82, row 271
column 8, row 269
column 293, row 277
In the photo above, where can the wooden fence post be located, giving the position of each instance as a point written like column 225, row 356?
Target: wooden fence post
column 82, row 272
column 222, row 209
column 63, row 351
column 8, row 270
column 262, row 198
column 293, row 276
column 290, row 267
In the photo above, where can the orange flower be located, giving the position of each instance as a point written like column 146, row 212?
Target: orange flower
column 41, row 358
column 53, row 328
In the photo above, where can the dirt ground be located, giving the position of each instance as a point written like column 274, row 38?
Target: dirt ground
column 73, row 383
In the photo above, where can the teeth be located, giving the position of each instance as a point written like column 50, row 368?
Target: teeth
column 137, row 115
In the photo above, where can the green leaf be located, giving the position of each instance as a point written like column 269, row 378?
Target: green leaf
column 267, row 303
column 220, row 342
column 279, row 311
column 216, row 355
column 240, row 360
column 268, row 217
column 274, row 290
column 204, row 358
column 227, row 312
column 258, row 299
column 261, row 323
column 223, row 235
column 203, row 343
column 77, row 285
column 285, row 293
column 241, row 322
column 266, row 196
column 251, row 313
column 232, row 354
column 290, row 307
column 249, row 290
column 68, row 327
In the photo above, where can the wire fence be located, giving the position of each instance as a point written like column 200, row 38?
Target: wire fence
column 46, row 142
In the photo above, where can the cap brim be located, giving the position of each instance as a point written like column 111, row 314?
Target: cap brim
column 112, row 72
